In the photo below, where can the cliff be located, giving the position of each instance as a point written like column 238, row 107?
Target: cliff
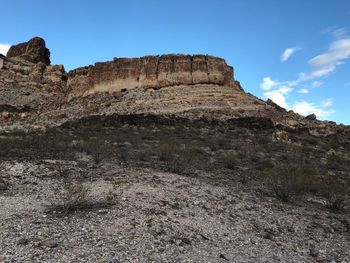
column 34, row 92
column 149, row 72
column 34, row 51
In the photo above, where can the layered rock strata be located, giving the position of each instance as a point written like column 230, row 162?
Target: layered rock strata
column 149, row 72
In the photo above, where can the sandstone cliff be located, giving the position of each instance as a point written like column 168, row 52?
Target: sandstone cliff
column 149, row 72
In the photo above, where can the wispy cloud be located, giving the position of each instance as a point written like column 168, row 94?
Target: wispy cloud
column 288, row 52
column 316, row 84
column 321, row 110
column 337, row 32
column 326, row 63
column 303, row 91
column 4, row 48
column 321, row 65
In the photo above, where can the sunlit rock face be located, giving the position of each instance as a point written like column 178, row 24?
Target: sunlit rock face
column 149, row 72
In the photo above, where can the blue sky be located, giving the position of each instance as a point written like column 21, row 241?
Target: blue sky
column 295, row 52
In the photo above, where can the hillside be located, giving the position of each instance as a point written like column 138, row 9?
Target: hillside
column 162, row 159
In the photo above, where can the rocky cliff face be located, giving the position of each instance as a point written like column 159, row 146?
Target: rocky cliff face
column 149, row 72
column 199, row 86
column 27, row 82
column 34, row 51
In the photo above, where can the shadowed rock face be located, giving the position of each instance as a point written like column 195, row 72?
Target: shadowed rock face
column 149, row 72
column 34, row 51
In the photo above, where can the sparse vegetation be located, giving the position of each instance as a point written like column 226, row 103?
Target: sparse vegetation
column 73, row 195
column 290, row 181
column 231, row 161
column 335, row 193
column 94, row 147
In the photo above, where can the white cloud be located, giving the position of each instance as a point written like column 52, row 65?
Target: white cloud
column 321, row 65
column 268, row 83
column 326, row 103
column 316, row 84
column 288, row 52
column 279, row 95
column 305, row 108
column 303, row 91
column 4, row 48
column 327, row 62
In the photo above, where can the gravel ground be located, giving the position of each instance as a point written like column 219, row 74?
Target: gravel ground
column 159, row 217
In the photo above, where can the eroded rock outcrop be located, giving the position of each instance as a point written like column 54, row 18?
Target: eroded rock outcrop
column 149, row 72
column 34, row 51
column 33, row 92
column 28, row 84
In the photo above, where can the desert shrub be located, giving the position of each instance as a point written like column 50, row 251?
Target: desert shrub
column 3, row 185
column 219, row 142
column 336, row 162
column 94, row 147
column 263, row 164
column 143, row 155
column 336, row 201
column 334, row 191
column 231, row 161
column 166, row 152
column 178, row 158
column 72, row 195
column 124, row 154
column 290, row 181
column 175, row 165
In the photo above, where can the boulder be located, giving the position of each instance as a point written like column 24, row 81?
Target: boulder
column 34, row 51
column 311, row 117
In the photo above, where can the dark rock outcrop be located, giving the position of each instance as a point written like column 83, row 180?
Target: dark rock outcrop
column 34, row 51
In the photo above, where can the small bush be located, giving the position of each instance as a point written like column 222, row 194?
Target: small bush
column 175, row 165
column 166, row 152
column 231, row 161
column 96, row 148
column 72, row 195
column 290, row 181
column 334, row 192
column 336, row 202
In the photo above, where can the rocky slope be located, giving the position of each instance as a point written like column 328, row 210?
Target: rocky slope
column 162, row 159
column 35, row 94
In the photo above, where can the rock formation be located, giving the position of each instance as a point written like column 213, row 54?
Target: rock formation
column 28, row 86
column 150, row 72
column 34, row 51
column 198, row 86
